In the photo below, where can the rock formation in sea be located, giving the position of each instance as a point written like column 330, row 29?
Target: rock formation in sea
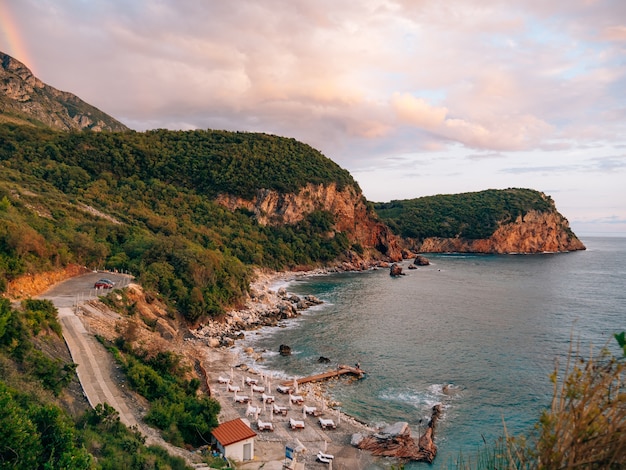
column 395, row 270
column 535, row 232
column 396, row 441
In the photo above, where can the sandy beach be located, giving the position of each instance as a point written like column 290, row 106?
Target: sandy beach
column 230, row 363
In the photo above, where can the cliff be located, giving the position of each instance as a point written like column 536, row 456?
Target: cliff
column 534, row 232
column 26, row 99
column 347, row 206
column 513, row 220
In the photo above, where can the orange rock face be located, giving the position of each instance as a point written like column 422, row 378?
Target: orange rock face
column 536, row 232
column 351, row 213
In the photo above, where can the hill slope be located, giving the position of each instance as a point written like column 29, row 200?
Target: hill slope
column 159, row 205
column 26, row 99
column 491, row 221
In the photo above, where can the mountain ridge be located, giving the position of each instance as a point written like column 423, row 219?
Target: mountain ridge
column 26, row 99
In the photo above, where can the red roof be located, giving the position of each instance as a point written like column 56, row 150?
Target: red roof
column 232, row 431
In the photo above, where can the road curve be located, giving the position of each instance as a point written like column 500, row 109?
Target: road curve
column 95, row 364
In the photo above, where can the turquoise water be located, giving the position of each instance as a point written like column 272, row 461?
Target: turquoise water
column 489, row 325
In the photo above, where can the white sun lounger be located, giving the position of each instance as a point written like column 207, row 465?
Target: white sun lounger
column 252, row 410
column 223, row 380
column 296, row 399
column 323, row 459
column 258, row 388
column 283, row 389
column 267, row 398
column 265, row 426
column 296, row 424
column 327, row 423
column 234, row 388
column 242, row 398
column 310, row 410
column 250, row 381
column 280, row 409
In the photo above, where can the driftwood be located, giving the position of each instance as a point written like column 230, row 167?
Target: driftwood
column 396, row 441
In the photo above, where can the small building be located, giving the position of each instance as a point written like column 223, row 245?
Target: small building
column 235, row 440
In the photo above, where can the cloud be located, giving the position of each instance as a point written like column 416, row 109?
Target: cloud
column 365, row 81
column 417, row 112
column 614, row 33
column 485, row 156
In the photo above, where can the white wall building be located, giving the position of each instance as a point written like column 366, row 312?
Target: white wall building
column 235, row 440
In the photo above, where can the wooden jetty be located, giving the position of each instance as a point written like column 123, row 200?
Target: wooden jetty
column 339, row 371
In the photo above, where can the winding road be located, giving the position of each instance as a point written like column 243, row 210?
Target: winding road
column 96, row 368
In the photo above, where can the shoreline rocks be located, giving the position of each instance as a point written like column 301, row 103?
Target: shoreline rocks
column 264, row 307
column 396, row 441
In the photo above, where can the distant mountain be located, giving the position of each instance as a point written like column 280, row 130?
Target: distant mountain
column 25, row 99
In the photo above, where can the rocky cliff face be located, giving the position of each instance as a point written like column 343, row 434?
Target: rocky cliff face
column 348, row 206
column 24, row 95
column 535, row 232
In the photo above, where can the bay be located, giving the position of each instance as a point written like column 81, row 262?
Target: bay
column 488, row 326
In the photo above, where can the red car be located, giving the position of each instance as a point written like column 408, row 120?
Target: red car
column 104, row 284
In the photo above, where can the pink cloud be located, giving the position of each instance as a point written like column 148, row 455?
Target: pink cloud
column 416, row 111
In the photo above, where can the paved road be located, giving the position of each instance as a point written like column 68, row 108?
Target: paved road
column 94, row 363
column 96, row 367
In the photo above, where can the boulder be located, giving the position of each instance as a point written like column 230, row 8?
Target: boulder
column 412, row 266
column 395, row 270
column 323, row 360
column 421, row 261
column 284, row 350
column 313, row 300
column 396, row 441
column 356, row 439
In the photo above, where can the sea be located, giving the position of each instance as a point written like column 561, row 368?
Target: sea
column 479, row 334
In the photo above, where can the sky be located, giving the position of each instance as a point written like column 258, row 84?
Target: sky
column 413, row 97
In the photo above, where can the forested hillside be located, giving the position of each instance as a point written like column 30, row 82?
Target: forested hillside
column 474, row 215
column 144, row 202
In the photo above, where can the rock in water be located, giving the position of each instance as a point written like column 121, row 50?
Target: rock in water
column 396, row 441
column 421, row 261
column 284, row 350
column 395, row 270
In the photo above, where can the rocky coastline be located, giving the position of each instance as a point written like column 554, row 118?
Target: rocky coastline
column 270, row 303
column 267, row 305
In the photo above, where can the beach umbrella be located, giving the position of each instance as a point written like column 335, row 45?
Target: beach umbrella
column 303, row 412
column 231, row 374
column 295, row 385
column 271, row 413
column 243, row 382
column 325, row 445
